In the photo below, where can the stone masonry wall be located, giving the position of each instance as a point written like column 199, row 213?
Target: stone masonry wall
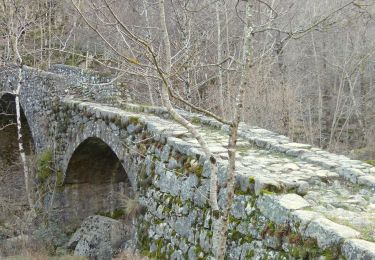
column 292, row 201
column 42, row 91
column 285, row 207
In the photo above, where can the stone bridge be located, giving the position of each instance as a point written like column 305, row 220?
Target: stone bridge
column 293, row 201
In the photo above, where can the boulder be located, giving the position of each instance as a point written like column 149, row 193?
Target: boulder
column 98, row 238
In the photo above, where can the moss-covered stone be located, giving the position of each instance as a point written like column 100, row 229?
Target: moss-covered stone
column 308, row 250
column 250, row 254
column 134, row 120
column 239, row 192
column 295, row 238
column 59, row 179
column 44, row 166
column 116, row 214
column 195, row 120
column 198, row 170
column 371, row 162
column 266, row 191
column 269, row 229
column 251, row 180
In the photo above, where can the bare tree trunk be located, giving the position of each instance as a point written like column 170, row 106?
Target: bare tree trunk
column 49, row 6
column 186, row 38
column 219, row 60
column 20, row 140
column 364, row 90
column 320, row 93
column 245, row 80
column 285, row 117
column 149, row 86
column 19, row 125
column 166, row 100
column 228, row 90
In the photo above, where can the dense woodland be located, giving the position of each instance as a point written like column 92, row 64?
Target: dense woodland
column 311, row 74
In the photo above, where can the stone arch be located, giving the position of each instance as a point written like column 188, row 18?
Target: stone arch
column 93, row 161
column 104, row 133
column 95, row 181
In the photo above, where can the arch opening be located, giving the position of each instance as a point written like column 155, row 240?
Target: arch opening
column 9, row 154
column 94, row 162
column 12, row 181
column 95, row 182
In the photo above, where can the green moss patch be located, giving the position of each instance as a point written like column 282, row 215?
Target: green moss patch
column 371, row 162
column 195, row 120
column 116, row 214
column 134, row 120
column 44, row 166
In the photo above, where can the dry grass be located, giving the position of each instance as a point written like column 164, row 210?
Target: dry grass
column 30, row 255
column 42, row 256
column 127, row 255
column 130, row 204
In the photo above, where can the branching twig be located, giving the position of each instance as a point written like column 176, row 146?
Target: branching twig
column 7, row 125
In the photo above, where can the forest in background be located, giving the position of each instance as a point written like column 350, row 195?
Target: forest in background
column 312, row 76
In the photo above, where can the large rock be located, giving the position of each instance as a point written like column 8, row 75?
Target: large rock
column 329, row 234
column 278, row 208
column 358, row 249
column 98, row 238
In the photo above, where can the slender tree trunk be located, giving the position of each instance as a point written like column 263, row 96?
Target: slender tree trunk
column 49, row 6
column 320, row 93
column 219, row 59
column 186, row 38
column 245, row 80
column 20, row 140
column 149, row 86
column 364, row 90
column 228, row 88
column 41, row 41
column 167, row 103
column 285, row 117
column 19, row 125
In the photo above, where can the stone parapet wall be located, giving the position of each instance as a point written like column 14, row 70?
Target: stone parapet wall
column 354, row 171
column 88, row 84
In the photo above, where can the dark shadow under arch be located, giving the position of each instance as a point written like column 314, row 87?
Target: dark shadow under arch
column 8, row 135
column 12, row 180
column 95, row 182
column 94, row 162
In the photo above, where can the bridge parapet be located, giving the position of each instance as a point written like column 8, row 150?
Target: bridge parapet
column 88, row 85
column 354, row 171
column 285, row 204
